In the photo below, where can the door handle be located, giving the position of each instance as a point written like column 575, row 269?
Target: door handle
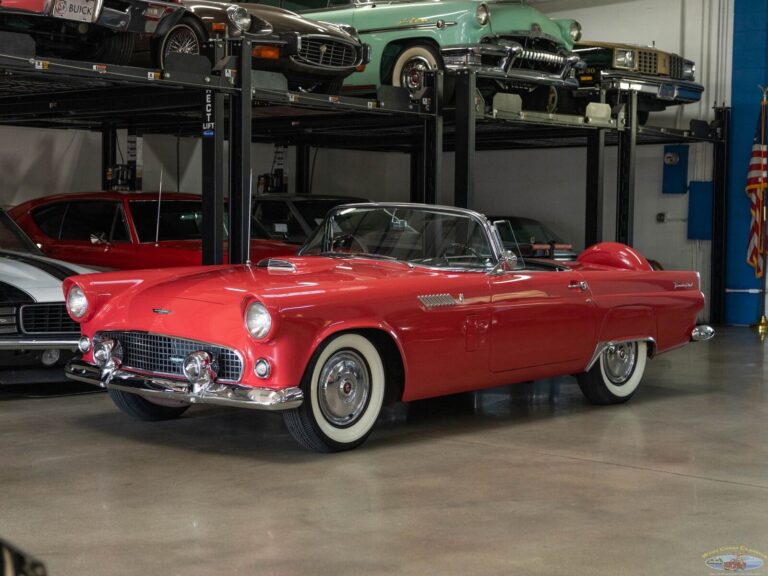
column 578, row 285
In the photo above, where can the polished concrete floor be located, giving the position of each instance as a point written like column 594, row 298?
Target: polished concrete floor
column 526, row 480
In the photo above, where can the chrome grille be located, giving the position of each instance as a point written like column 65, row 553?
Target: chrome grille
column 47, row 319
column 326, row 52
column 8, row 320
column 165, row 355
column 647, row 62
column 540, row 56
column 675, row 66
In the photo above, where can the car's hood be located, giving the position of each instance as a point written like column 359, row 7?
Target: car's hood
column 38, row 276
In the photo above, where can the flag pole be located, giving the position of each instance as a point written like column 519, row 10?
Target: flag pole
column 762, row 325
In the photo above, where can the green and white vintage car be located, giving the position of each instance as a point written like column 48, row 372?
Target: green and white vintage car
column 515, row 45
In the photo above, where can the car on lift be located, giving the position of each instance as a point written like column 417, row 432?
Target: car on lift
column 126, row 230
column 660, row 78
column 293, row 217
column 37, row 336
column 385, row 302
column 517, row 47
column 313, row 56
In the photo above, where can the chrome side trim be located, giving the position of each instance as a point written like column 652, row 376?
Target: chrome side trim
column 276, row 264
column 601, row 346
column 152, row 387
column 437, row 300
column 702, row 333
column 39, row 343
column 418, row 26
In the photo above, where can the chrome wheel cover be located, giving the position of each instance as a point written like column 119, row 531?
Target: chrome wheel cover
column 619, row 362
column 412, row 74
column 182, row 40
column 344, row 387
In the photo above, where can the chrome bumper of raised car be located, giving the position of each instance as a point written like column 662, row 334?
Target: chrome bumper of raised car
column 702, row 333
column 469, row 56
column 669, row 89
column 154, row 387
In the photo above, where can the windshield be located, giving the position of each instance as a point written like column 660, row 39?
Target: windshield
column 179, row 220
column 12, row 237
column 416, row 235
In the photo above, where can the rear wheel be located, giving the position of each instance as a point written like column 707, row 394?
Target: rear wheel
column 186, row 37
column 410, row 65
column 615, row 376
column 344, row 389
column 142, row 409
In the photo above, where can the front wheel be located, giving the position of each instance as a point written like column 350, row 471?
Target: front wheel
column 615, row 376
column 343, row 395
column 186, row 37
column 142, row 409
column 410, row 65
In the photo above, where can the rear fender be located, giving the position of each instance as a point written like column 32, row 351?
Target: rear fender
column 628, row 323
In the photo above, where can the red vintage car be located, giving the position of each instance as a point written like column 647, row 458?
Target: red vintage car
column 385, row 302
column 120, row 229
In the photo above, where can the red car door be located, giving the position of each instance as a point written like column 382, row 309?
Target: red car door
column 540, row 318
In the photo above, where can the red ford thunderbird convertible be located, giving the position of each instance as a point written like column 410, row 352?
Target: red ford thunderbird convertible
column 384, row 302
column 126, row 230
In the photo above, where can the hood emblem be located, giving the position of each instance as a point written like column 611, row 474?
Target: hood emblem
column 161, row 311
column 323, row 49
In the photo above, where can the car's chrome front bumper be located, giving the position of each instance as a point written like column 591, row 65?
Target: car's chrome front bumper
column 39, row 343
column 158, row 388
column 702, row 333
column 504, row 56
column 667, row 89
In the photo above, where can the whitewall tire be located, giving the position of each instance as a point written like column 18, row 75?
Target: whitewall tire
column 614, row 378
column 411, row 64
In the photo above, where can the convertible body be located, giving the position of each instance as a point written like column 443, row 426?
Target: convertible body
column 384, row 302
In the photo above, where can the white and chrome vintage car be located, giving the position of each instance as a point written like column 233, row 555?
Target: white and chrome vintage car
column 37, row 336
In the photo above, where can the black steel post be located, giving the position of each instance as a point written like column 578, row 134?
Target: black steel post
column 135, row 159
column 108, row 155
column 719, row 216
column 464, row 175
column 418, row 167
column 303, row 169
column 240, row 177
column 625, row 182
column 432, row 145
column 213, row 170
column 593, row 220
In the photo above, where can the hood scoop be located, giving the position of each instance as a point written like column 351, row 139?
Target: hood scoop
column 277, row 265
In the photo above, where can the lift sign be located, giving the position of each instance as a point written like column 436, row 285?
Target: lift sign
column 209, row 126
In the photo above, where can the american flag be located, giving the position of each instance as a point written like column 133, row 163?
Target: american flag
column 757, row 181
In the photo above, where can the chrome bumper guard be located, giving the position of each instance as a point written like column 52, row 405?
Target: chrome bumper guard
column 469, row 56
column 702, row 333
column 153, row 387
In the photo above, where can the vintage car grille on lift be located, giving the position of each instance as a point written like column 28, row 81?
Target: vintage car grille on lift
column 47, row 319
column 537, row 54
column 675, row 66
column 647, row 62
column 8, row 320
column 326, row 52
column 165, row 355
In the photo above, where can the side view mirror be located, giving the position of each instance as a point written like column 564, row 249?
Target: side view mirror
column 507, row 263
column 99, row 238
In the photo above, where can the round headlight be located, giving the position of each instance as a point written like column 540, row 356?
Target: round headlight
column 575, row 31
column 624, row 58
column 239, row 17
column 77, row 303
column 258, row 320
column 482, row 15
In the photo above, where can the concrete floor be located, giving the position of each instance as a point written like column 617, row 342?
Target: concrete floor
column 527, row 480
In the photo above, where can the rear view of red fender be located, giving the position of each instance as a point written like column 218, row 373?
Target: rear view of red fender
column 615, row 255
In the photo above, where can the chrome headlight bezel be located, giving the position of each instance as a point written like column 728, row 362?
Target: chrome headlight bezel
column 625, row 58
column 258, row 320
column 240, row 19
column 482, row 15
column 574, row 31
column 77, row 302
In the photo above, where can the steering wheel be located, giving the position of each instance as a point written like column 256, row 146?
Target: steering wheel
column 461, row 249
column 348, row 243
